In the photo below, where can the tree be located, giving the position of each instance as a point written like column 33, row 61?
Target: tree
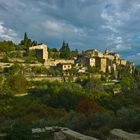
column 65, row 51
column 127, row 83
column 95, row 88
column 74, row 53
column 26, row 43
column 53, row 53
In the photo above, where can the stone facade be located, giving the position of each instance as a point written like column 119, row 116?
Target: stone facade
column 41, row 51
column 106, row 62
column 101, row 63
column 123, row 62
column 64, row 66
column 93, row 53
column 50, row 63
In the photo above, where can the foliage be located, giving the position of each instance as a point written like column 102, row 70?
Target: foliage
column 16, row 83
column 7, row 46
column 74, row 53
column 93, row 69
column 127, row 82
column 53, row 53
column 101, row 119
column 15, row 69
column 26, row 43
column 19, row 130
column 129, row 119
column 76, row 121
column 2, row 79
column 95, row 88
column 88, row 107
column 65, row 51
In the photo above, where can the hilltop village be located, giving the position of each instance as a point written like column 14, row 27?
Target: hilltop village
column 96, row 61
column 91, row 92
column 106, row 62
column 39, row 62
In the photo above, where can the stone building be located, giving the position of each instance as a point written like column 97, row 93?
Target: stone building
column 111, row 55
column 93, row 53
column 123, row 62
column 85, row 61
column 106, row 62
column 41, row 51
column 64, row 66
column 101, row 63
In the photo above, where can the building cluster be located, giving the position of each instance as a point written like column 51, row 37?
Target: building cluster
column 105, row 62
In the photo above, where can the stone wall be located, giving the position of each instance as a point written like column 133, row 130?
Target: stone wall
column 55, row 62
column 44, row 53
column 118, row 134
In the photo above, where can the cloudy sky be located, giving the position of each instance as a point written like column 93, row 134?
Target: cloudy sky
column 84, row 24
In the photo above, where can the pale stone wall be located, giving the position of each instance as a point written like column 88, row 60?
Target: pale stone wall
column 93, row 53
column 55, row 62
column 44, row 49
column 101, row 63
column 123, row 62
column 118, row 134
column 103, row 66
column 111, row 57
column 114, row 67
column 92, row 62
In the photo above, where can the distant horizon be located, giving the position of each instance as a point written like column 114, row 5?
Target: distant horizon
column 84, row 24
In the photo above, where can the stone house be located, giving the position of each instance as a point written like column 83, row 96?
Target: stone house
column 101, row 63
column 93, row 53
column 123, row 62
column 64, row 66
column 106, row 62
column 41, row 51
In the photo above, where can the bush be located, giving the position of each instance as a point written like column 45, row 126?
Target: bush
column 76, row 121
column 19, row 131
column 88, row 107
column 101, row 119
column 128, row 119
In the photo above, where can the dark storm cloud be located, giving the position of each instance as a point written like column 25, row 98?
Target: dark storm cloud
column 85, row 24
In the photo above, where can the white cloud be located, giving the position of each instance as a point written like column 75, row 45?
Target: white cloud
column 60, row 28
column 119, row 40
column 110, row 28
column 121, row 47
column 7, row 33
